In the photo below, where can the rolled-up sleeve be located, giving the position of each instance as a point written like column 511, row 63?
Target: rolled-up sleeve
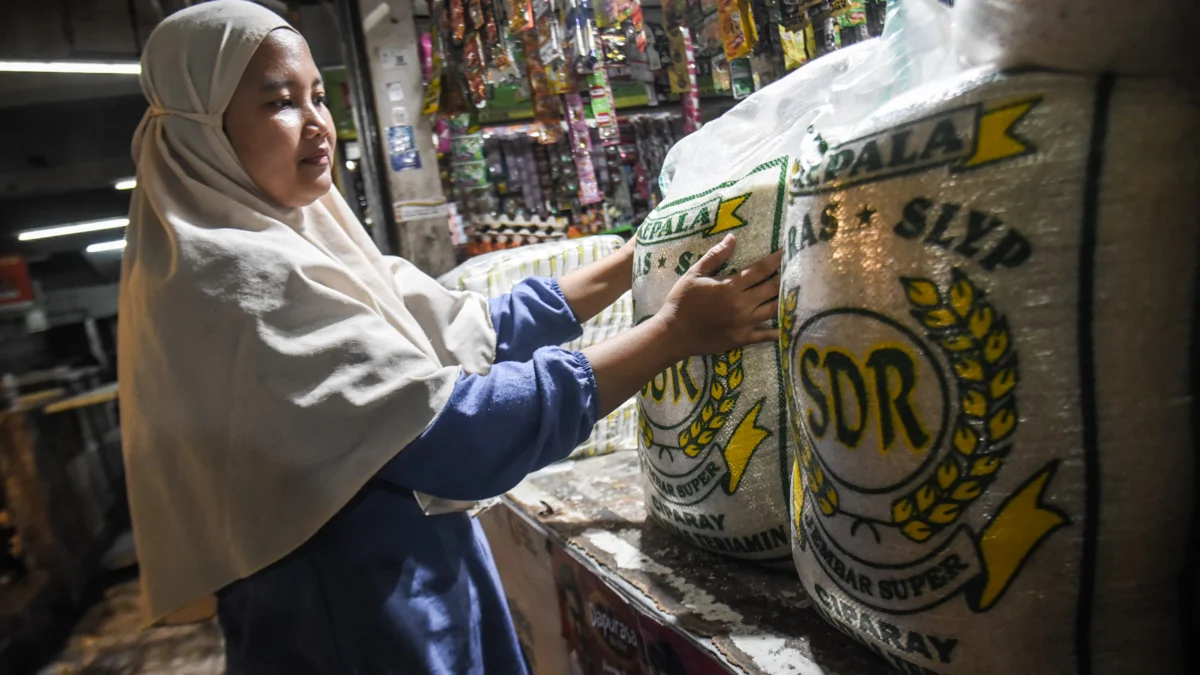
column 533, row 315
column 498, row 427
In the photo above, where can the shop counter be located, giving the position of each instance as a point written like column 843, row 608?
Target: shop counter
column 595, row 587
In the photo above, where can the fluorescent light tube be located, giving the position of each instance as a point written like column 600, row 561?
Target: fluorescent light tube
column 75, row 228
column 80, row 67
column 117, row 245
column 126, row 184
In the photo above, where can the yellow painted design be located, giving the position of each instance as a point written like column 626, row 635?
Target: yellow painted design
column 746, row 439
column 727, row 217
column 995, row 138
column 1012, row 535
column 797, row 498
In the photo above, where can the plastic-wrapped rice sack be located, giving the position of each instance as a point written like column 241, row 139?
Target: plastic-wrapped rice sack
column 713, row 435
column 494, row 274
column 988, row 314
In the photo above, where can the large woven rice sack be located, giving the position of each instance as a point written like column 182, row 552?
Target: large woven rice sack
column 988, row 312
column 494, row 274
column 713, row 430
column 713, row 441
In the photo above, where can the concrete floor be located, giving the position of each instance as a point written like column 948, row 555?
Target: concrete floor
column 108, row 641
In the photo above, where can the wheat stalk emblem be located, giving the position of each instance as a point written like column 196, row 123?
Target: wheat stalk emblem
column 977, row 342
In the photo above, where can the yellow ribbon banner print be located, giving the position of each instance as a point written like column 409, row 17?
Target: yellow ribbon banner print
column 981, row 565
column 962, row 139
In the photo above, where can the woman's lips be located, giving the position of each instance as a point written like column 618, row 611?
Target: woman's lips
column 319, row 158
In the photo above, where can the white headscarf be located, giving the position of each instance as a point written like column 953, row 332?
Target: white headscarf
column 271, row 359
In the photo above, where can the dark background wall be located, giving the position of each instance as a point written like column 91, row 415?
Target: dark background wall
column 65, row 142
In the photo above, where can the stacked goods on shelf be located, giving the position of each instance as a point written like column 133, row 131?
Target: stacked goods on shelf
column 572, row 67
column 987, row 313
column 524, row 192
column 494, row 274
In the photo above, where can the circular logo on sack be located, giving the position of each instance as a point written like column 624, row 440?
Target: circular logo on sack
column 674, row 396
column 877, row 401
column 901, row 423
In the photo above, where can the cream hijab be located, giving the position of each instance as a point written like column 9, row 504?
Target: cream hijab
column 271, row 359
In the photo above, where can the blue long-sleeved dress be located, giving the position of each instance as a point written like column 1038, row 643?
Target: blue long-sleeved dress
column 385, row 589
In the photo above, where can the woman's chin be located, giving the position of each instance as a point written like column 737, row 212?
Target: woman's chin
column 316, row 184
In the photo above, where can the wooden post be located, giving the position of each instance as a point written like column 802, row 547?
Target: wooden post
column 409, row 158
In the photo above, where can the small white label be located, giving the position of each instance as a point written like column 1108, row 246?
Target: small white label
column 419, row 210
column 392, row 58
column 395, row 92
column 399, row 116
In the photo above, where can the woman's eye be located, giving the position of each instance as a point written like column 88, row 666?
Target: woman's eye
column 320, row 99
column 282, row 103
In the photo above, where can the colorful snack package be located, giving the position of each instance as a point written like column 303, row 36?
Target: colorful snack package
column 520, row 15
column 638, row 23
column 431, row 66
column 607, row 15
column 475, row 70
column 546, row 107
column 795, row 52
column 603, row 108
column 581, row 150
column 683, row 73
column 475, row 10
column 738, row 33
column 581, row 36
column 491, row 33
column 458, row 21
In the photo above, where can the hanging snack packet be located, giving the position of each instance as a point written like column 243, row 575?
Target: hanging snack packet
column 638, row 23
column 683, row 73
column 795, row 53
column 722, row 80
column 475, row 10
column 612, row 46
column 603, row 108
column 431, row 65
column 458, row 21
column 581, row 149
column 738, row 34
column 546, row 107
column 607, row 15
column 741, row 78
column 491, row 33
column 476, row 70
column 581, row 36
column 851, row 18
column 520, row 15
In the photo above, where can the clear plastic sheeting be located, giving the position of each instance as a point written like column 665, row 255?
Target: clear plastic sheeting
column 1147, row 37
column 496, row 273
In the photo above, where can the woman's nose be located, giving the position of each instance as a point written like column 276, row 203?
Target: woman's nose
column 316, row 124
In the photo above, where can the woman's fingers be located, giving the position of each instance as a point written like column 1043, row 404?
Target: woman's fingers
column 762, row 270
column 761, row 335
column 717, row 256
column 765, row 312
column 763, row 292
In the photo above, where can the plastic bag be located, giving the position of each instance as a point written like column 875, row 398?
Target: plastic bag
column 1150, row 37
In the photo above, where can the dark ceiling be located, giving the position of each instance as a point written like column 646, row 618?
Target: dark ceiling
column 65, row 138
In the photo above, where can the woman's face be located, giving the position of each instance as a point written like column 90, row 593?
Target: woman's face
column 278, row 124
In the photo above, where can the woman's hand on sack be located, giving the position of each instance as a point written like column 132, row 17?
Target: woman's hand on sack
column 702, row 315
column 706, row 314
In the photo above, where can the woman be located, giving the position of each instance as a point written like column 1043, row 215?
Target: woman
column 286, row 389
